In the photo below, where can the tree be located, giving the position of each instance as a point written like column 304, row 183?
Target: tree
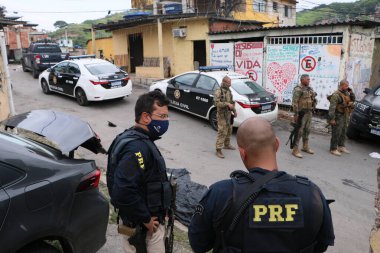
column 60, row 24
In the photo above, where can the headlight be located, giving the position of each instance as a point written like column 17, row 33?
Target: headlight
column 362, row 107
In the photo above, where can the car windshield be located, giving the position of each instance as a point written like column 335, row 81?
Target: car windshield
column 102, row 68
column 246, row 86
column 377, row 92
column 47, row 49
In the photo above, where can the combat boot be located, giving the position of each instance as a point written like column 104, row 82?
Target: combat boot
column 219, row 153
column 343, row 149
column 335, row 152
column 296, row 152
column 306, row 148
column 229, row 147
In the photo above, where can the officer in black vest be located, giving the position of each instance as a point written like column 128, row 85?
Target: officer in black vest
column 262, row 210
column 136, row 176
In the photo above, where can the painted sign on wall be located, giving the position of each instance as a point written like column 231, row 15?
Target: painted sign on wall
column 249, row 60
column 358, row 68
column 222, row 54
column 282, row 71
column 321, row 63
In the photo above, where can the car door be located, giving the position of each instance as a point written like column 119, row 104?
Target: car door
column 56, row 80
column 202, row 95
column 178, row 90
column 70, row 77
column 8, row 176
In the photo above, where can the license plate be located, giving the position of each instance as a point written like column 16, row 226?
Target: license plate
column 116, row 84
column 266, row 107
column 375, row 131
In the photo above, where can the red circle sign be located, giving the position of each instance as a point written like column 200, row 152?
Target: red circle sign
column 308, row 63
column 252, row 74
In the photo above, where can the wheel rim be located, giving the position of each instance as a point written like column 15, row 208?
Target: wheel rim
column 81, row 97
column 214, row 121
column 45, row 89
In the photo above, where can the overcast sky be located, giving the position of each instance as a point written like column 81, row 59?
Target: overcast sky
column 46, row 12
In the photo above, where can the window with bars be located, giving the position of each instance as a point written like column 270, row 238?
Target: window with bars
column 275, row 6
column 333, row 39
column 259, row 5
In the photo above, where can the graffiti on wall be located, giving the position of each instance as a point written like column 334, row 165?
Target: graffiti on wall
column 282, row 71
column 222, row 54
column 358, row 67
column 321, row 63
column 249, row 60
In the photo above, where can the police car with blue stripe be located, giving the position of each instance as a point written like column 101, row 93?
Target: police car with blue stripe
column 87, row 79
column 193, row 92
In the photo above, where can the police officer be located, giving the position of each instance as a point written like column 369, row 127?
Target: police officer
column 288, row 214
column 341, row 106
column 303, row 103
column 140, row 185
column 224, row 105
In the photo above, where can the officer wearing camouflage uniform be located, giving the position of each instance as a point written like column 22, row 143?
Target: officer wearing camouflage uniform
column 304, row 100
column 341, row 105
column 225, row 107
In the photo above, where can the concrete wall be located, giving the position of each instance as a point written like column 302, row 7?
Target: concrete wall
column 4, row 102
column 375, row 78
column 105, row 44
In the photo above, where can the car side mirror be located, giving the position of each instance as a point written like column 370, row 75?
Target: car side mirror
column 367, row 90
column 48, row 70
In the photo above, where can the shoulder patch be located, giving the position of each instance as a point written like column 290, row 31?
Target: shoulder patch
column 276, row 213
column 199, row 209
column 140, row 160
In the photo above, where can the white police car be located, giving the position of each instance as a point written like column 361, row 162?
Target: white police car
column 193, row 92
column 87, row 79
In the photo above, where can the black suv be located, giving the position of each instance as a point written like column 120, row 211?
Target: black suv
column 366, row 116
column 41, row 55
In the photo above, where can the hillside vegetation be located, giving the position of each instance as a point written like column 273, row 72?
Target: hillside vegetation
column 80, row 33
column 363, row 9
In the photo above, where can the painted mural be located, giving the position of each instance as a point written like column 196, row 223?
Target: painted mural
column 321, row 63
column 249, row 60
column 358, row 67
column 282, row 71
column 222, row 54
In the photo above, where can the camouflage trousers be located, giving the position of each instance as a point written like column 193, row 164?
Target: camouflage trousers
column 224, row 129
column 304, row 130
column 338, row 134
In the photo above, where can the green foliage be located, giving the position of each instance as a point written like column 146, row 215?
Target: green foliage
column 80, row 33
column 60, row 24
column 363, row 9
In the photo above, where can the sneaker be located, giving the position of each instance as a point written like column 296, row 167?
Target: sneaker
column 343, row 150
column 219, row 153
column 230, row 147
column 335, row 152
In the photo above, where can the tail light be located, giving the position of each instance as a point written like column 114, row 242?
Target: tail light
column 248, row 105
column 99, row 82
column 38, row 59
column 126, row 78
column 89, row 181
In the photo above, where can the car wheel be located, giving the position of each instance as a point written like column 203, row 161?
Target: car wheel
column 81, row 97
column 352, row 132
column 213, row 120
column 39, row 247
column 45, row 87
column 23, row 66
column 35, row 73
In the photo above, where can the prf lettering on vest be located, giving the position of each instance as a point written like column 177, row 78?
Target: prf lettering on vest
column 276, row 213
column 140, row 159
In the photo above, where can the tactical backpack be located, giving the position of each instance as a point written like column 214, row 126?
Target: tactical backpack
column 114, row 150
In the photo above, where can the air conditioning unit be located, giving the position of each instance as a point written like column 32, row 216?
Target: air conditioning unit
column 179, row 32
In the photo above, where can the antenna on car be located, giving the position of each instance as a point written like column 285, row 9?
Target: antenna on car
column 212, row 68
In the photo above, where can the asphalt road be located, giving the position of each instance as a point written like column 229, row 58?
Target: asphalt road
column 190, row 144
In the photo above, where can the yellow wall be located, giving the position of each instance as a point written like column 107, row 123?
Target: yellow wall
column 4, row 102
column 179, row 51
column 105, row 44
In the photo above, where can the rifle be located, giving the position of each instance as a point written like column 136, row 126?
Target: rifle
column 296, row 127
column 139, row 239
column 169, row 236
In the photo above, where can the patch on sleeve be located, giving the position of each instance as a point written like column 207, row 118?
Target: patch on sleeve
column 140, row 160
column 276, row 213
column 199, row 209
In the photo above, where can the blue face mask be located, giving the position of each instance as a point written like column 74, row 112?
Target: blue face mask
column 158, row 127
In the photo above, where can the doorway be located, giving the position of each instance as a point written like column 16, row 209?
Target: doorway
column 199, row 53
column 136, row 51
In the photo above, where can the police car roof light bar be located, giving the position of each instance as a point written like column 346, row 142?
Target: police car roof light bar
column 82, row 56
column 212, row 68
